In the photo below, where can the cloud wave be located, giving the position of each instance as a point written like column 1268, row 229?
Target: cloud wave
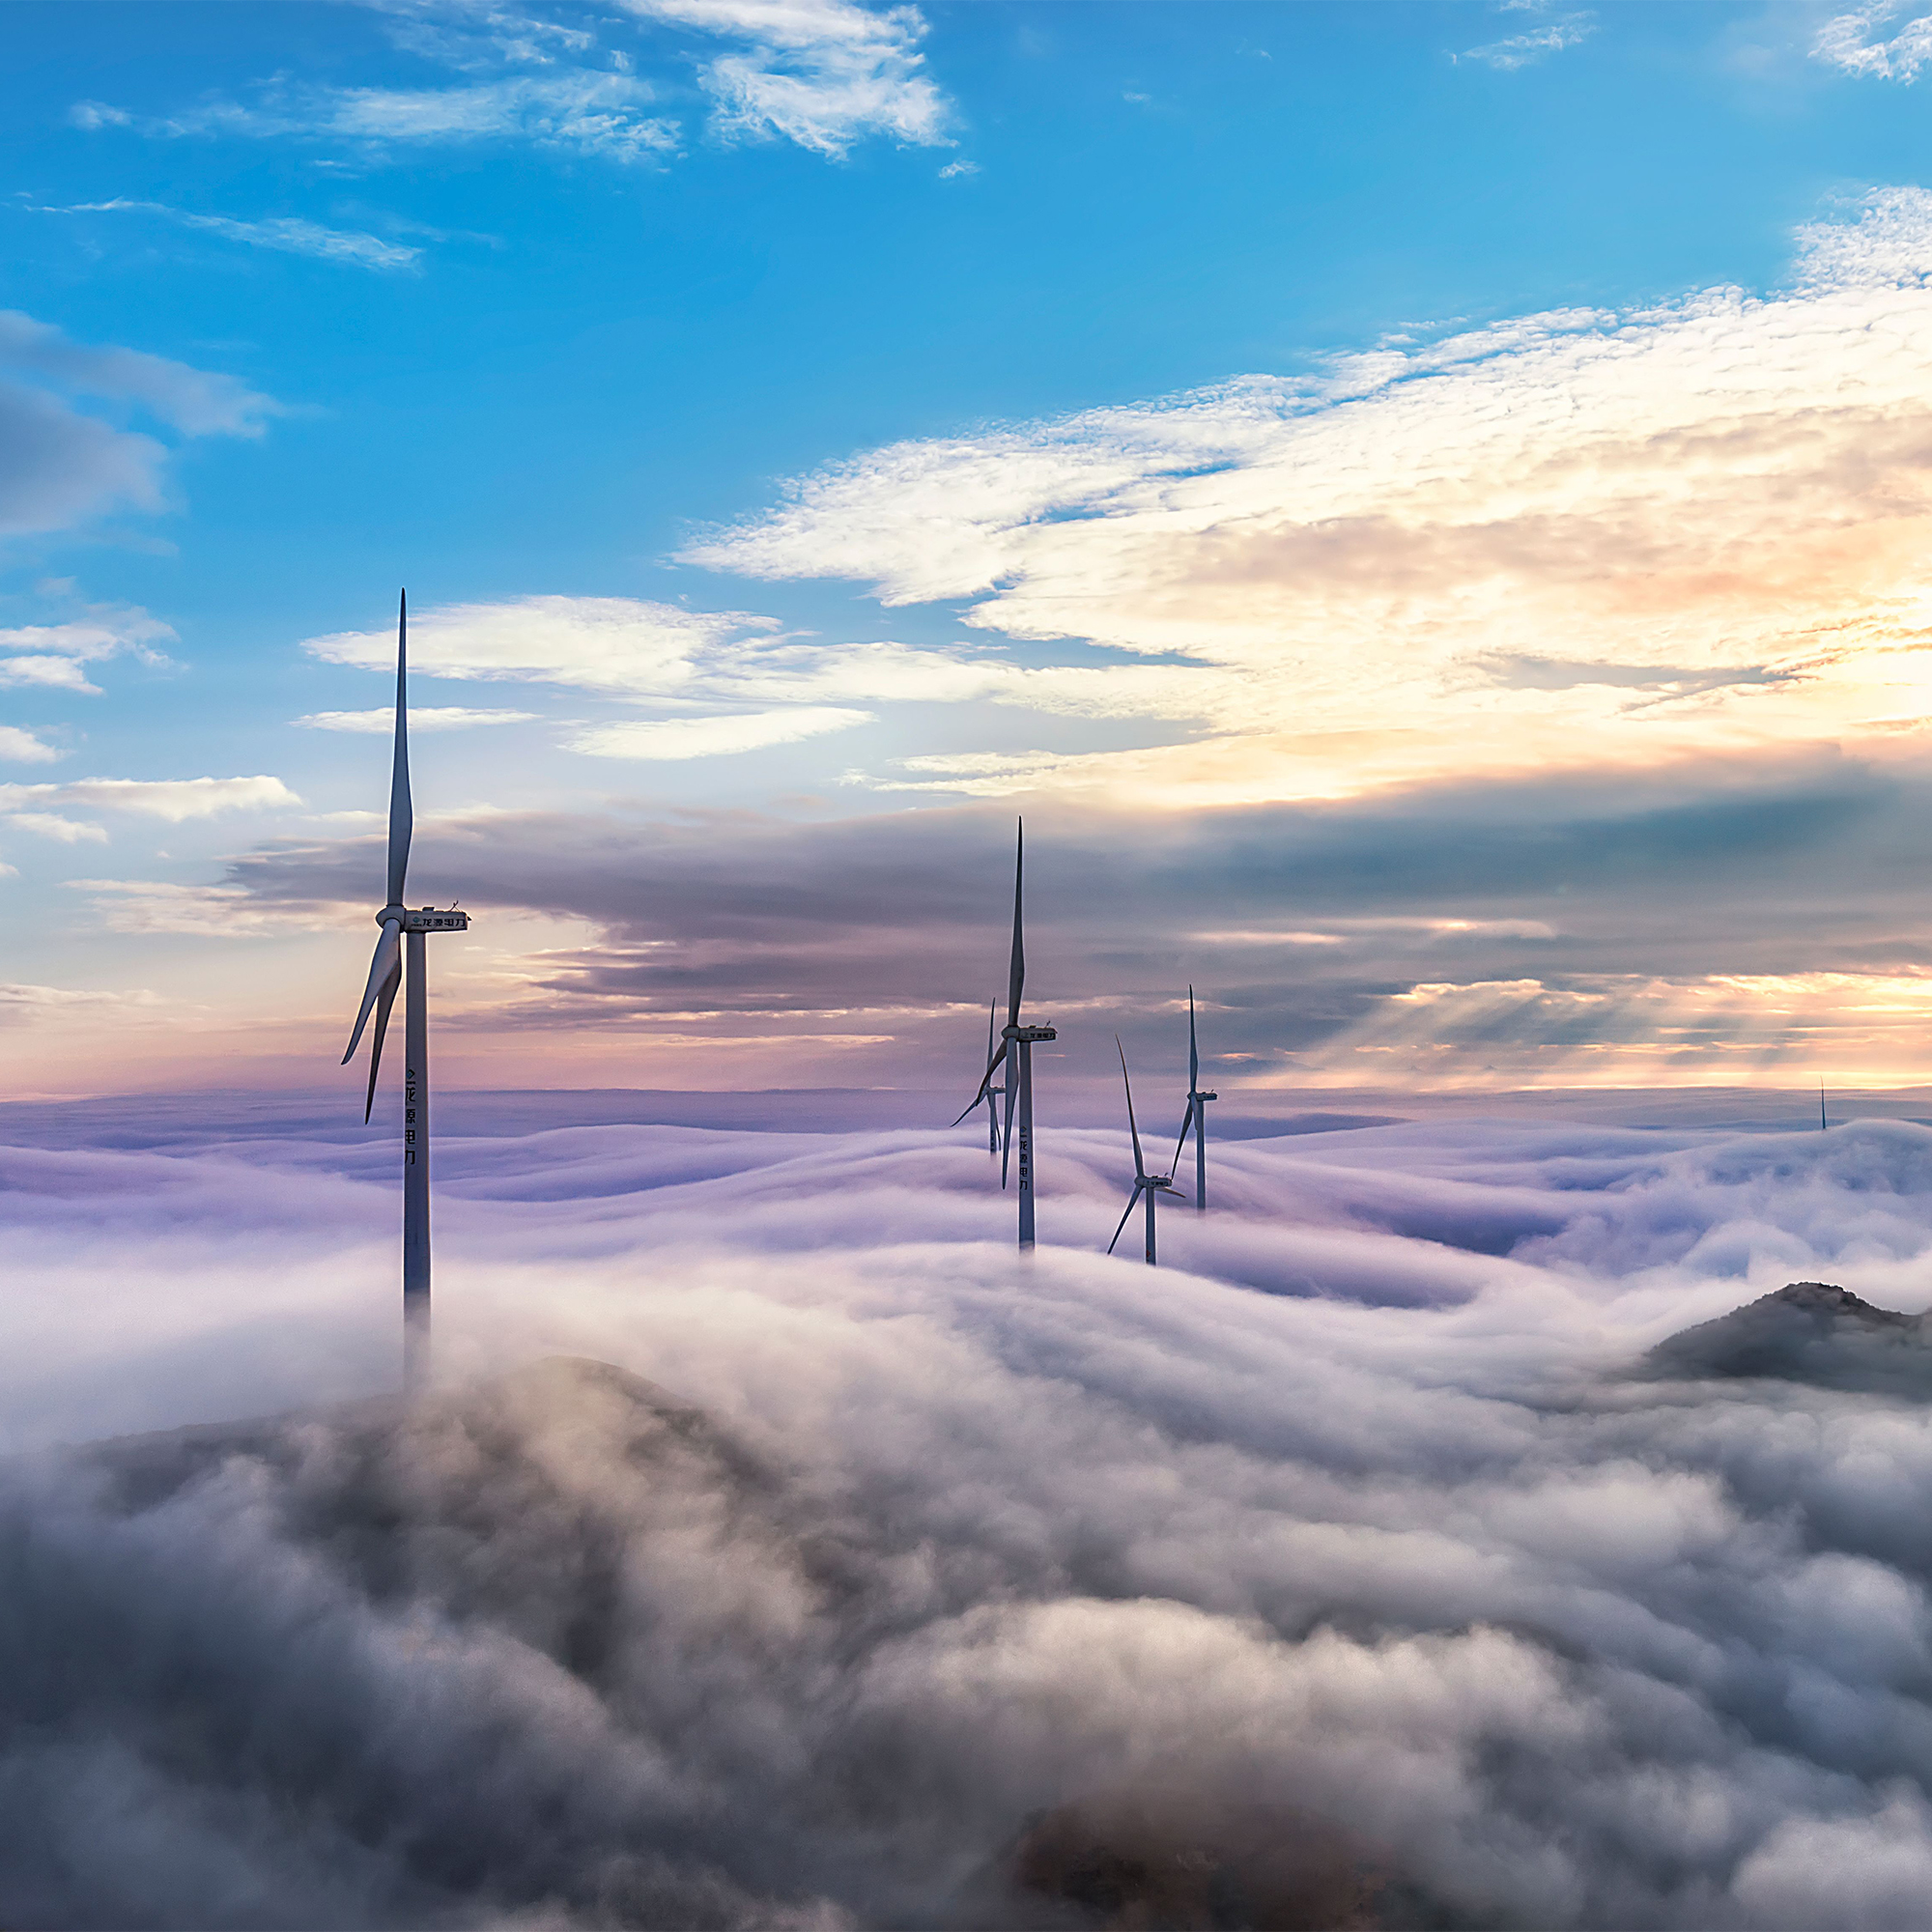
column 1379, row 1553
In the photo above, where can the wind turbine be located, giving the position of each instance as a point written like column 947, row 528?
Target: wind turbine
column 403, row 933
column 1145, row 1183
column 992, row 1092
column 1195, row 1115
column 1821, row 1105
column 1016, row 1049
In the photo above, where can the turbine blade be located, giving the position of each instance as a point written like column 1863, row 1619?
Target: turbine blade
column 1193, row 1051
column 402, row 819
column 1007, row 1134
column 384, row 1000
column 1139, row 1166
column 388, row 959
column 1134, row 1201
column 1179, row 1145
column 992, row 1009
column 986, row 1079
column 1016, row 973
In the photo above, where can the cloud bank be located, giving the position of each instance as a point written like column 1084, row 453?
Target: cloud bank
column 1717, row 925
column 1349, row 1529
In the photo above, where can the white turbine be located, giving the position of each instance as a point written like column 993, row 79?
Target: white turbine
column 1195, row 1115
column 1145, row 1183
column 402, row 932
column 1016, row 1050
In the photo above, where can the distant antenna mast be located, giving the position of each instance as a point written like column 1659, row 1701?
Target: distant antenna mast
column 1821, row 1106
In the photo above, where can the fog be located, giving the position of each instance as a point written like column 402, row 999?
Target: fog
column 1353, row 1566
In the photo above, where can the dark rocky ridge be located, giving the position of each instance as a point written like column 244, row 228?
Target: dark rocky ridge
column 1811, row 1332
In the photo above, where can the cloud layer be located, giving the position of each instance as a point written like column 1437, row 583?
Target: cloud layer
column 1347, row 1529
column 1720, row 924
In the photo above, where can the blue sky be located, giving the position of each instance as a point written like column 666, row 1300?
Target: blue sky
column 520, row 303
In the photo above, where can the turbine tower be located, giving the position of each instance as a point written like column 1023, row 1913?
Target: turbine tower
column 1145, row 1183
column 1016, row 1050
column 992, row 1092
column 1195, row 1115
column 405, row 931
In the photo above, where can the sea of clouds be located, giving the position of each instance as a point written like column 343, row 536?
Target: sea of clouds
column 1346, row 1534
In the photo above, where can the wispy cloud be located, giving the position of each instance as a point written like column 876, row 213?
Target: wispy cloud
column 175, row 800
column 53, row 655
column 1551, row 33
column 823, row 73
column 589, row 112
column 289, row 235
column 1852, row 42
column 714, row 737
column 382, row 720
column 223, row 912
column 630, row 647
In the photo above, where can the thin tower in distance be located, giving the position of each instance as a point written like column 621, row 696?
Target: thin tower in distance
column 1195, row 1115
column 1015, row 1052
column 404, row 932
column 1145, row 1184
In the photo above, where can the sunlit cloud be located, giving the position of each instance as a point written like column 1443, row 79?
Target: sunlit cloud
column 1722, row 1030
column 1579, row 538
